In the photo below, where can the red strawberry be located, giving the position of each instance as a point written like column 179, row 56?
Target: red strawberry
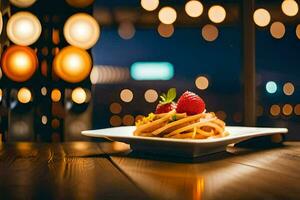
column 166, row 104
column 164, row 108
column 190, row 103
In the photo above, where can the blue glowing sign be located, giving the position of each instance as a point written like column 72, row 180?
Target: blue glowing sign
column 152, row 71
column 271, row 87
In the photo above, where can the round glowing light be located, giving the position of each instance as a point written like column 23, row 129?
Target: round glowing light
column 297, row 109
column 82, row 30
column 1, row 23
column 19, row 63
column 44, row 91
column 298, row 31
column 139, row 117
column 165, row 30
column 79, row 3
column 94, row 76
column 115, row 108
column 259, row 110
column 126, row 30
column 23, row 28
column 115, row 120
column 194, row 8
column 261, row 17
column 78, row 95
column 275, row 110
column 55, row 95
column 55, row 123
column 126, row 95
column 287, row 109
column 289, row 7
column 149, row 5
column 288, row 88
column 271, row 87
column 44, row 119
column 221, row 115
column 167, row 15
column 24, row 95
column 22, row 3
column 217, row 14
column 210, row 32
column 202, row 83
column 151, row 96
column 72, row 64
column 277, row 30
column 1, row 94
column 128, row 120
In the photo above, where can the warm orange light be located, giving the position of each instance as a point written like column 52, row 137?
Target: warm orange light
column 22, row 3
column 217, row 14
column 79, row 3
column 1, row 23
column 82, row 30
column 297, row 109
column 55, row 95
column 287, row 109
column 298, row 31
column 167, row 15
column 288, row 88
column 126, row 30
column 194, row 8
column 210, row 32
column 79, row 95
column 19, row 63
column 128, row 120
column 261, row 17
column 165, row 30
column 151, row 95
column 24, row 95
column 202, row 83
column 115, row 120
column 23, row 28
column 277, row 30
column 126, row 95
column 289, row 7
column 275, row 110
column 72, row 64
column 149, row 5
column 115, row 108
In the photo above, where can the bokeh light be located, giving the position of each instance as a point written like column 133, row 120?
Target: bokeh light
column 55, row 123
column 221, row 115
column 271, row 87
column 297, row 109
column 194, row 8
column 277, row 30
column 128, row 120
column 210, row 32
column 151, row 95
column 22, row 3
column 72, row 64
column 1, row 94
column 298, row 31
column 259, row 110
column 24, row 95
column 19, row 63
column 275, row 110
column 44, row 119
column 79, row 95
column 82, row 30
column 44, row 91
column 289, row 7
column 1, row 22
column 126, row 95
column 202, row 83
column 115, row 108
column 139, row 117
column 287, row 109
column 217, row 14
column 261, row 17
column 79, row 3
column 115, row 120
column 23, row 28
column 167, row 15
column 288, row 88
column 149, row 5
column 55, row 95
column 237, row 117
column 105, row 74
column 165, row 30
column 126, row 30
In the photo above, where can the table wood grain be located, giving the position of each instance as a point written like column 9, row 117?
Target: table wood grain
column 87, row 170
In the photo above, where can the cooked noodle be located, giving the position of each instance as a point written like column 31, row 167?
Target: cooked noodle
column 179, row 125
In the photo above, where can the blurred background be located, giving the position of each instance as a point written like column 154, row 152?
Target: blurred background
column 143, row 48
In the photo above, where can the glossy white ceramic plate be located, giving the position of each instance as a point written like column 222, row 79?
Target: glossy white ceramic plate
column 181, row 147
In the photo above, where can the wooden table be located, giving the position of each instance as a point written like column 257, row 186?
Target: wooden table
column 86, row 170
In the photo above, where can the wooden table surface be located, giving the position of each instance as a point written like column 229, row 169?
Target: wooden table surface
column 86, row 170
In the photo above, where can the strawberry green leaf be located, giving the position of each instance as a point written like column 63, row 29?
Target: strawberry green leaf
column 171, row 95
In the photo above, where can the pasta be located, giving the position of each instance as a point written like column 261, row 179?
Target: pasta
column 180, row 125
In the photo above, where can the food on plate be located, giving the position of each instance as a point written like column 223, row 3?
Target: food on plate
column 186, row 119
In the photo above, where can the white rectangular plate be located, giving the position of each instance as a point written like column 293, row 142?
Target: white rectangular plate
column 181, row 147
